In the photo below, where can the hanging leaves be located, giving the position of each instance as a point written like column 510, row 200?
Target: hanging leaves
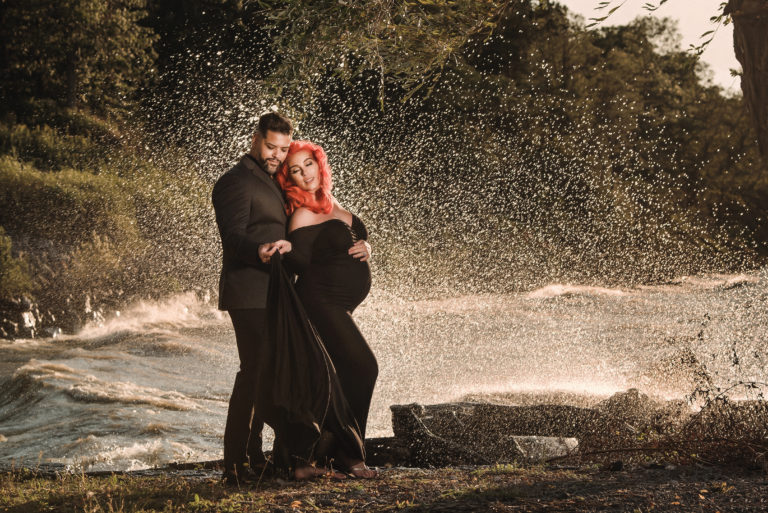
column 696, row 49
column 405, row 42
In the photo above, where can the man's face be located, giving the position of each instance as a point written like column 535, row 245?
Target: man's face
column 270, row 150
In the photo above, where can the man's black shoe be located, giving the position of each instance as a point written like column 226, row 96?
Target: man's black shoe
column 241, row 475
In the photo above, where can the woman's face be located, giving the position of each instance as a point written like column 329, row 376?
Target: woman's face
column 303, row 170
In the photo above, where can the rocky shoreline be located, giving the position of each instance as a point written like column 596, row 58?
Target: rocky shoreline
column 25, row 318
column 466, row 456
column 479, row 433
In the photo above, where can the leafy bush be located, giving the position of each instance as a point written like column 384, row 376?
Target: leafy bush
column 15, row 278
column 42, row 111
column 66, row 206
column 45, row 147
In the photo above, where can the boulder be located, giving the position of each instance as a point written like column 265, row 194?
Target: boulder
column 19, row 318
column 483, row 434
column 537, row 449
column 474, row 433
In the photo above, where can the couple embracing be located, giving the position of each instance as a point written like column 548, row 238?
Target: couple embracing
column 305, row 368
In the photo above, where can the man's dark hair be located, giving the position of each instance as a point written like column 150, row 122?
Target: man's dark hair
column 275, row 122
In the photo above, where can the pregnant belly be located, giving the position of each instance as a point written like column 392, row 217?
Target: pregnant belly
column 344, row 283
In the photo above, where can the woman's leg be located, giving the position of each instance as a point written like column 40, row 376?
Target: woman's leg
column 353, row 359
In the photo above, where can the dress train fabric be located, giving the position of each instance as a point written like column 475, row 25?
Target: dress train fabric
column 313, row 418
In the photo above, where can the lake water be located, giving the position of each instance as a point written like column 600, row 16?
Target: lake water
column 152, row 385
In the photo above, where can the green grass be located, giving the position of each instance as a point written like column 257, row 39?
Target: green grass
column 481, row 489
column 67, row 206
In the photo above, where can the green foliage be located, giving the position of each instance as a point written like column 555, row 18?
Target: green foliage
column 137, row 232
column 67, row 206
column 37, row 112
column 408, row 41
column 92, row 53
column 15, row 278
column 553, row 151
column 596, row 155
column 45, row 147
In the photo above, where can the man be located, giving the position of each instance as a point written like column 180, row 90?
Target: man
column 250, row 213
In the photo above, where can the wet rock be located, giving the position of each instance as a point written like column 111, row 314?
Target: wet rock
column 481, row 434
column 203, row 295
column 628, row 405
column 72, row 313
column 9, row 329
column 538, row 420
column 392, row 451
column 537, row 449
column 52, row 332
column 28, row 325
column 19, row 318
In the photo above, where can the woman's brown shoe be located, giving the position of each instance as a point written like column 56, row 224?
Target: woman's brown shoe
column 362, row 471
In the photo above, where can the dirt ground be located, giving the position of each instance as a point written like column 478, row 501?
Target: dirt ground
column 501, row 488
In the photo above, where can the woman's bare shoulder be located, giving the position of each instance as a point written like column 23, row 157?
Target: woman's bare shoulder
column 338, row 208
column 342, row 213
column 301, row 217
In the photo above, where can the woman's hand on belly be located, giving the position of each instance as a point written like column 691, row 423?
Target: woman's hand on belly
column 361, row 249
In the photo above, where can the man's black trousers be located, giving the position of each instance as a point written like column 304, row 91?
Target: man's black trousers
column 250, row 401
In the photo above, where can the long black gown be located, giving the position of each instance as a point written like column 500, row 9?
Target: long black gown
column 331, row 284
column 308, row 410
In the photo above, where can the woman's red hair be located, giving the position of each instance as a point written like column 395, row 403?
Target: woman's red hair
column 321, row 200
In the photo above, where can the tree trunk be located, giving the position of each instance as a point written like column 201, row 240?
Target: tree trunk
column 72, row 80
column 750, row 42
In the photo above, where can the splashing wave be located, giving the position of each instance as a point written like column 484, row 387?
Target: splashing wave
column 84, row 387
column 171, row 314
column 557, row 290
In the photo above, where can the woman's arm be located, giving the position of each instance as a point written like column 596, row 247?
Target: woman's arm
column 359, row 228
column 360, row 249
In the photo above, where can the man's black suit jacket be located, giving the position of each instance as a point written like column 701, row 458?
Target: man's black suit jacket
column 250, row 211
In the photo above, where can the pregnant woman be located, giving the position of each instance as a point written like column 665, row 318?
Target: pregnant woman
column 330, row 255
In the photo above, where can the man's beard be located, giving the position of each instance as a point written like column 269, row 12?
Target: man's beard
column 270, row 165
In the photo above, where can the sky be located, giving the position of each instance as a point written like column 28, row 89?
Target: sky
column 693, row 19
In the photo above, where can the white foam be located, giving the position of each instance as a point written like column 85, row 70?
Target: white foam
column 137, row 456
column 704, row 282
column 559, row 290
column 84, row 387
column 180, row 311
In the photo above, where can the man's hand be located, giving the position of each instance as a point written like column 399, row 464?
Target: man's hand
column 361, row 249
column 267, row 250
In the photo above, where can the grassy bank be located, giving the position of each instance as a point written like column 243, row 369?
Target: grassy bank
column 88, row 222
column 497, row 488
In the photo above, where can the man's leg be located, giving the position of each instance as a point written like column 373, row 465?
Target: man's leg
column 242, row 434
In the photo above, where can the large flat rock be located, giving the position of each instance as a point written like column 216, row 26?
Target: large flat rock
column 476, row 433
